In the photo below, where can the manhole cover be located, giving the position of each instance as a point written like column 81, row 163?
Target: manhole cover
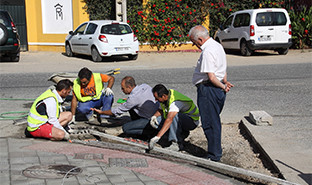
column 51, row 171
column 127, row 162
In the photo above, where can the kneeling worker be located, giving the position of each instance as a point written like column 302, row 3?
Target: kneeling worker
column 140, row 104
column 46, row 119
column 179, row 116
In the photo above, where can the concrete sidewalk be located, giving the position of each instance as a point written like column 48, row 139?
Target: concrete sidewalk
column 35, row 161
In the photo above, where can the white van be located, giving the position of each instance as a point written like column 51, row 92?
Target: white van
column 256, row 29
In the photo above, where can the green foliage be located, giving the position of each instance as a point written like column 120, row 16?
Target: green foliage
column 219, row 10
column 100, row 9
column 301, row 22
column 167, row 22
column 135, row 18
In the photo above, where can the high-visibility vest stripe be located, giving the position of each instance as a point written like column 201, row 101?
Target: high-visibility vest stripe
column 34, row 119
column 98, row 88
column 174, row 95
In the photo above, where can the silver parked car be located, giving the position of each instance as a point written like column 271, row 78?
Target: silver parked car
column 102, row 38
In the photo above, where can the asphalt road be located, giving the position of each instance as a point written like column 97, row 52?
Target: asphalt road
column 279, row 85
column 282, row 90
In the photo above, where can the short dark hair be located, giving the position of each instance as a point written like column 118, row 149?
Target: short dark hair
column 160, row 89
column 85, row 73
column 129, row 81
column 63, row 84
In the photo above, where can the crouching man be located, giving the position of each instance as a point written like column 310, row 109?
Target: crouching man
column 46, row 119
column 179, row 115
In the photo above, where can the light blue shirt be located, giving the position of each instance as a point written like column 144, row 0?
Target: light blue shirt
column 141, row 100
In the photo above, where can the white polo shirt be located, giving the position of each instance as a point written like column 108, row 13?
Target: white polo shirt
column 212, row 60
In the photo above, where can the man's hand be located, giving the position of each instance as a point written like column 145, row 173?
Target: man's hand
column 153, row 122
column 228, row 86
column 96, row 110
column 108, row 91
column 152, row 142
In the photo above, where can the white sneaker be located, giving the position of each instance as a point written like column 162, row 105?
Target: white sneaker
column 174, row 147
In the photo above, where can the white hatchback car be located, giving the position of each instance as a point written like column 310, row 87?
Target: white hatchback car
column 256, row 29
column 102, row 38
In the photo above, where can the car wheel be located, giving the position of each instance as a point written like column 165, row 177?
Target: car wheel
column 68, row 51
column 96, row 57
column 282, row 51
column 218, row 40
column 132, row 57
column 245, row 51
column 15, row 58
column 3, row 34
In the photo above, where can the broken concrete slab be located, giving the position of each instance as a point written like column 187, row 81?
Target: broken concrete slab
column 261, row 118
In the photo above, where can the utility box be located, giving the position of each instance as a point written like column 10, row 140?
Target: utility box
column 121, row 10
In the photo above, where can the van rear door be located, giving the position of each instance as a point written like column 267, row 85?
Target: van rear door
column 271, row 27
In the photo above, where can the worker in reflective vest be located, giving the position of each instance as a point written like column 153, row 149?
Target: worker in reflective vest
column 178, row 114
column 89, row 92
column 46, row 119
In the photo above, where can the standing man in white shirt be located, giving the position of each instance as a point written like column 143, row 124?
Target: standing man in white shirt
column 46, row 118
column 210, row 79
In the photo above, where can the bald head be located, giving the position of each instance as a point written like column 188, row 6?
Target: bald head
column 127, row 84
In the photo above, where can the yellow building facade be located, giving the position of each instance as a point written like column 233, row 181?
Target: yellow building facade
column 43, row 32
column 40, row 41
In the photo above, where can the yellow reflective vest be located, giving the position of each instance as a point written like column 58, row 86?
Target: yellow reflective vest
column 174, row 95
column 34, row 119
column 98, row 88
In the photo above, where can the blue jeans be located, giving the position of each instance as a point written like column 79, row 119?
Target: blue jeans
column 105, row 102
column 179, row 128
column 210, row 101
column 135, row 127
column 138, row 126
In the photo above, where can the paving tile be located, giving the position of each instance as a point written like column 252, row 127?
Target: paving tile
column 24, row 160
column 154, row 183
column 29, row 181
column 143, row 177
column 131, row 177
column 5, row 177
column 131, row 183
column 66, row 181
column 176, row 179
column 116, row 179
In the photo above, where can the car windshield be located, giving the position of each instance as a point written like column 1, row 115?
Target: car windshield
column 116, row 29
column 271, row 18
column 4, row 19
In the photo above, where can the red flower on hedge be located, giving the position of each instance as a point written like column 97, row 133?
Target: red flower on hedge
column 306, row 32
column 154, row 5
column 303, row 19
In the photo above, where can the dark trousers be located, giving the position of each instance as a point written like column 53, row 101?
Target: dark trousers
column 138, row 126
column 210, row 101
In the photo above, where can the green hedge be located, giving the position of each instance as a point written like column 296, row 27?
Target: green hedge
column 167, row 22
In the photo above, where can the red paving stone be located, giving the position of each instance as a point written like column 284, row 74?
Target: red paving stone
column 162, row 170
